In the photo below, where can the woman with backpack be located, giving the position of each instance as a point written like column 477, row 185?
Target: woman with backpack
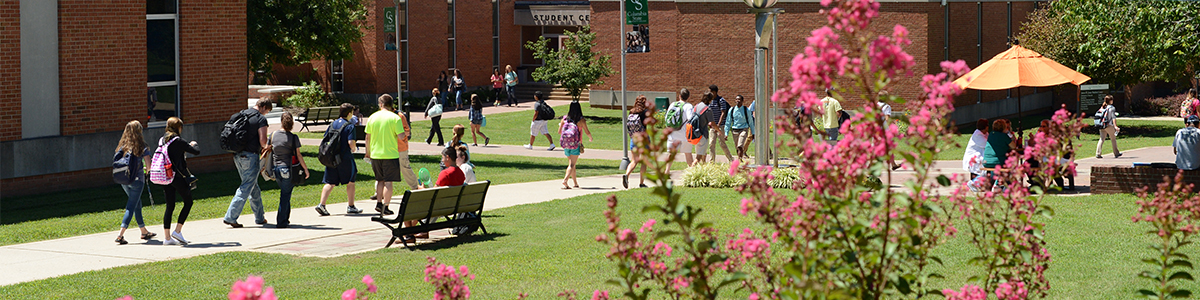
column 476, row 116
column 569, row 138
column 346, row 170
column 575, row 113
column 133, row 147
column 174, row 147
column 635, row 123
column 1108, row 115
column 285, row 159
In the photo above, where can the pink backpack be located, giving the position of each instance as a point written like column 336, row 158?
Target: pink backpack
column 570, row 134
column 160, row 166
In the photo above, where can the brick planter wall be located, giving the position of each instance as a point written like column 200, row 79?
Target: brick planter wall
column 1127, row 179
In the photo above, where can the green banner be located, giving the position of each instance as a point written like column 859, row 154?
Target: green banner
column 637, row 12
column 389, row 19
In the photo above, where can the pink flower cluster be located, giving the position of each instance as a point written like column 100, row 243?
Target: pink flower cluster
column 1172, row 208
column 355, row 294
column 1011, row 291
column 968, row 292
column 251, row 289
column 448, row 282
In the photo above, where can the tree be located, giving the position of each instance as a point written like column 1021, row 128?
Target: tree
column 573, row 67
column 293, row 32
column 1119, row 41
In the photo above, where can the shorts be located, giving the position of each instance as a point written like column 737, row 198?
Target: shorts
column 679, row 136
column 571, row 152
column 538, row 127
column 386, row 170
column 633, row 145
column 345, row 172
column 832, row 134
column 701, row 147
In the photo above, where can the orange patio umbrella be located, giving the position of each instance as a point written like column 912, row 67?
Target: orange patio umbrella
column 1018, row 67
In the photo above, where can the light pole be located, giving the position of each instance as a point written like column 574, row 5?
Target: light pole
column 624, row 109
column 764, row 25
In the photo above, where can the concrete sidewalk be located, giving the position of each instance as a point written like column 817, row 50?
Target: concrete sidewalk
column 309, row 235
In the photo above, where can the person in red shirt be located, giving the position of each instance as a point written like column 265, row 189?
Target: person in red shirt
column 451, row 175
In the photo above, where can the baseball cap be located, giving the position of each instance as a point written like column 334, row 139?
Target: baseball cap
column 1192, row 120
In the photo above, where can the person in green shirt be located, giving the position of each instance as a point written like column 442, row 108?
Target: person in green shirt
column 999, row 143
column 387, row 148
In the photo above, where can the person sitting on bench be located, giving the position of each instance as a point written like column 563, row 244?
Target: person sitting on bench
column 451, row 175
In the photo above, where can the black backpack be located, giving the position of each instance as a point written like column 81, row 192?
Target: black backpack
column 544, row 111
column 331, row 147
column 235, row 136
column 125, row 167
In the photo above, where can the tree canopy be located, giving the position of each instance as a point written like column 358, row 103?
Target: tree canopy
column 1119, row 41
column 293, row 32
column 573, row 67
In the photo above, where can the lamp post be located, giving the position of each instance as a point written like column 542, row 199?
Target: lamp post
column 764, row 29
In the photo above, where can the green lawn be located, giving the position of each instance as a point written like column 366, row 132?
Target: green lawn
column 86, row 211
column 540, row 250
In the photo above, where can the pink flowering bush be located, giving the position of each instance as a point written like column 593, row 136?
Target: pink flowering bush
column 355, row 294
column 251, row 289
column 449, row 283
column 1174, row 211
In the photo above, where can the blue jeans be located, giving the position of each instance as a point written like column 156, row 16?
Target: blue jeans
column 133, row 207
column 458, row 98
column 247, row 166
column 285, row 195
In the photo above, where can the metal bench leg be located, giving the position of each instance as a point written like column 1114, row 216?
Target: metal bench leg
column 389, row 244
column 484, row 229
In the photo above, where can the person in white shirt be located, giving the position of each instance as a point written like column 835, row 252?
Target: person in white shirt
column 464, row 163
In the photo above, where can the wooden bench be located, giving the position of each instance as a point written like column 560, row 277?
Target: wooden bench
column 438, row 208
column 318, row 116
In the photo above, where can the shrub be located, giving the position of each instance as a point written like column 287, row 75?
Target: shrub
column 311, row 95
column 714, row 175
column 1159, row 106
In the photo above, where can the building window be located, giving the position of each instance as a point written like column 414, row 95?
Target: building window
column 338, row 76
column 402, row 31
column 162, row 59
column 496, row 34
column 451, row 61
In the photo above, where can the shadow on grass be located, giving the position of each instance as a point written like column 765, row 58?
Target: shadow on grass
column 604, row 120
column 1148, row 131
column 449, row 243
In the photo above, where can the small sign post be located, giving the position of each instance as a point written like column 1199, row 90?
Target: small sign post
column 1091, row 97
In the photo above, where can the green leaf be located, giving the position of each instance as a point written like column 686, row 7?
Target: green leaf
column 1148, row 293
column 1184, row 275
column 1179, row 263
column 1181, row 294
column 944, row 181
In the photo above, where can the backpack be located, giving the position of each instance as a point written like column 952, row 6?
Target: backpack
column 329, row 153
column 674, row 117
column 161, row 172
column 235, row 136
column 695, row 129
column 544, row 111
column 570, row 135
column 634, row 123
column 126, row 167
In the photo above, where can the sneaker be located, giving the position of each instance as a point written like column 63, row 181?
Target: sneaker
column 321, row 210
column 374, row 197
column 625, row 181
column 170, row 242
column 386, row 212
column 379, row 206
column 1118, row 155
column 486, row 141
column 642, row 185
column 551, row 148
column 527, row 146
column 179, row 238
column 353, row 210
column 232, row 224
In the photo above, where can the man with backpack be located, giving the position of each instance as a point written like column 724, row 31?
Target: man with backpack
column 716, row 133
column 697, row 129
column 253, row 133
column 542, row 113
column 679, row 111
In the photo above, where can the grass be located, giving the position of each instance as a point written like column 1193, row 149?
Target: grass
column 1134, row 134
column 86, row 211
column 1096, row 251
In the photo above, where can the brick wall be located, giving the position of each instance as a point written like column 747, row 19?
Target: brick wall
column 1127, row 179
column 10, row 69
column 427, row 22
column 102, row 64
column 212, row 59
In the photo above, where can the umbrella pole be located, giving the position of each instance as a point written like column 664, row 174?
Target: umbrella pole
column 1020, row 113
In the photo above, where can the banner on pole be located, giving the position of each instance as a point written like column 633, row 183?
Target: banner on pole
column 637, row 12
column 389, row 19
column 638, row 39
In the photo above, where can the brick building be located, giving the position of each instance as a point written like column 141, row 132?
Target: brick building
column 73, row 72
column 695, row 43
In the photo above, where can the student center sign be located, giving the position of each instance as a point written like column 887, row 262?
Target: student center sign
column 553, row 15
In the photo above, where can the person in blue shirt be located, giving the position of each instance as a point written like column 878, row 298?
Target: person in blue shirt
column 739, row 123
column 346, row 171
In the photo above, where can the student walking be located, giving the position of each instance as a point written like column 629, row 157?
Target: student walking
column 285, row 157
column 459, row 88
column 497, row 85
column 570, row 139
column 716, row 133
column 247, row 162
column 677, row 114
column 176, row 147
column 1109, row 125
column 133, row 145
column 443, row 83
column 387, row 148
column 575, row 113
column 542, row 113
column 740, row 125
column 476, row 117
column 635, row 123
column 833, row 112
column 510, row 85
column 433, row 111
column 346, row 170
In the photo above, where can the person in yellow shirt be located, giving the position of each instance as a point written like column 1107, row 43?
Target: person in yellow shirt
column 387, row 148
column 833, row 109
